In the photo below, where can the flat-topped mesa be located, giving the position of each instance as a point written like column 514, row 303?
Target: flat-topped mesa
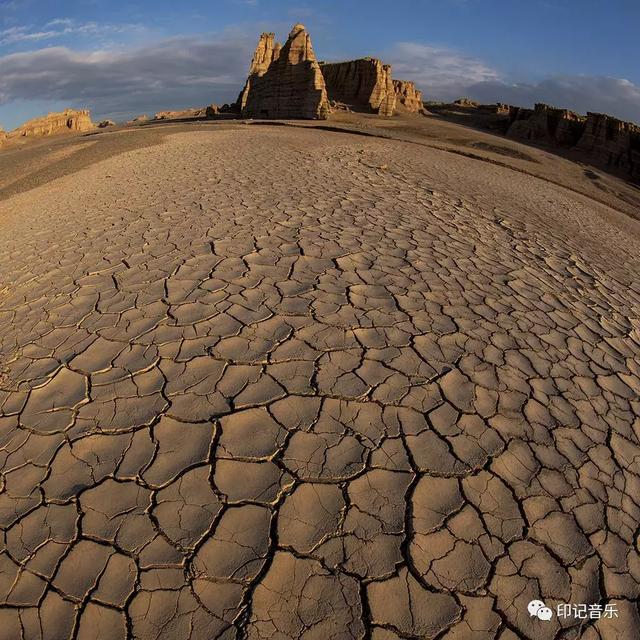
column 546, row 124
column 366, row 84
column 612, row 142
column 408, row 96
column 285, row 82
column 64, row 121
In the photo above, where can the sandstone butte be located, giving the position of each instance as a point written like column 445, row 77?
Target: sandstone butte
column 288, row 82
column 285, row 82
column 364, row 83
column 52, row 123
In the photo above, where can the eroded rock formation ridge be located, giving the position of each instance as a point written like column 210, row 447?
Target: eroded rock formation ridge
column 408, row 95
column 613, row 142
column 67, row 120
column 607, row 140
column 546, row 124
column 285, row 82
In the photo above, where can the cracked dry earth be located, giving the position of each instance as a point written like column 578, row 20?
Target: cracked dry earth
column 273, row 383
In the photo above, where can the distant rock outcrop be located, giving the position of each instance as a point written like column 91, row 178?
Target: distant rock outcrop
column 466, row 102
column 285, row 82
column 546, row 124
column 602, row 140
column 106, row 123
column 408, row 96
column 177, row 115
column 68, row 120
column 361, row 84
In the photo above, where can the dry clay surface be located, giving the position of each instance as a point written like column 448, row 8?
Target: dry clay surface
column 277, row 383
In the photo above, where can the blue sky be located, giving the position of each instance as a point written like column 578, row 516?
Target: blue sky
column 122, row 58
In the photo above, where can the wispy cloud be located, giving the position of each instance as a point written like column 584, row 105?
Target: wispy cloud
column 61, row 27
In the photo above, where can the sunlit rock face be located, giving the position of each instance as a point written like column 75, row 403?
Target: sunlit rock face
column 285, row 82
column 67, row 120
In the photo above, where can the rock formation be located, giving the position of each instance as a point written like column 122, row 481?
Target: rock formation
column 106, row 123
column 68, row 120
column 212, row 110
column 612, row 142
column 184, row 113
column 499, row 108
column 362, row 84
column 408, row 96
column 466, row 102
column 605, row 140
column 597, row 138
column 285, row 82
column 546, row 124
column 3, row 136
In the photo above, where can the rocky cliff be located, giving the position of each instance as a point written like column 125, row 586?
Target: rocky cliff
column 546, row 124
column 68, row 120
column 285, row 82
column 408, row 96
column 612, row 142
column 596, row 138
column 362, row 84
column 3, row 136
column 602, row 139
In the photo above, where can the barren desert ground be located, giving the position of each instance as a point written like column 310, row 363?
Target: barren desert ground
column 280, row 382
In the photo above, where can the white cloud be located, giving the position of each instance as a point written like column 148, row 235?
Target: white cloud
column 440, row 71
column 446, row 74
column 61, row 27
column 184, row 71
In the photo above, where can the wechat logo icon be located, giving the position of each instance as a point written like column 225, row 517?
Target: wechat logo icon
column 538, row 609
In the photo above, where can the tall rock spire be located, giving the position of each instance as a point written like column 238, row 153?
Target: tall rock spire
column 285, row 82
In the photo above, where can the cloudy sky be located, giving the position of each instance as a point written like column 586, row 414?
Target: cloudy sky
column 125, row 57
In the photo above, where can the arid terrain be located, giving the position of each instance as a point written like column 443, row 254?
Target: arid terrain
column 359, row 379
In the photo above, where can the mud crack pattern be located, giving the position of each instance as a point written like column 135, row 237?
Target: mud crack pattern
column 287, row 384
